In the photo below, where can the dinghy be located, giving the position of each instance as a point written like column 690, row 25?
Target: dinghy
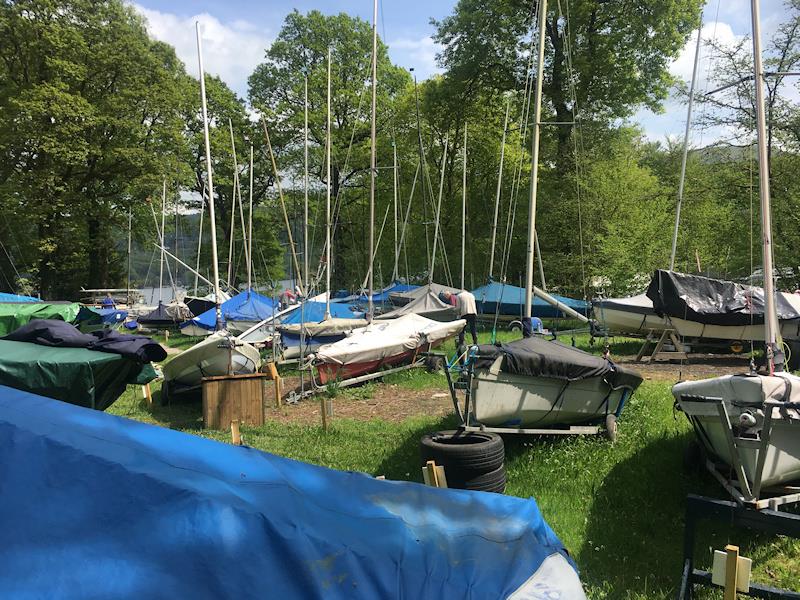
column 306, row 328
column 218, row 354
column 381, row 344
column 534, row 382
column 749, row 423
column 632, row 315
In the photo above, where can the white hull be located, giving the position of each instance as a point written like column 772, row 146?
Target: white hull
column 692, row 329
column 210, row 358
column 508, row 399
column 745, row 395
column 193, row 330
column 622, row 321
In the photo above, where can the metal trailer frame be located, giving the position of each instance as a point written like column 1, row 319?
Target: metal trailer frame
column 465, row 417
column 740, row 489
column 700, row 508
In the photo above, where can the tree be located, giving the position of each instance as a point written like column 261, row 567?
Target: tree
column 276, row 90
column 88, row 114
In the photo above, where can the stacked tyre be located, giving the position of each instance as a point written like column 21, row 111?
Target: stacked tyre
column 472, row 460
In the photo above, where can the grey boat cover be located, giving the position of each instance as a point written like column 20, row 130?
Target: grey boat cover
column 427, row 304
column 640, row 305
column 403, row 298
column 714, row 301
column 538, row 357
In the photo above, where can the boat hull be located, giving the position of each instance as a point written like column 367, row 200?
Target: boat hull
column 511, row 400
column 210, row 358
column 697, row 400
column 623, row 321
column 692, row 329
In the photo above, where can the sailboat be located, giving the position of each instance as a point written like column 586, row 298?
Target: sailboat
column 751, row 423
column 533, row 385
column 220, row 353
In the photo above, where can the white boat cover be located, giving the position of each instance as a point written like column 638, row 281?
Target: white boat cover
column 383, row 339
column 401, row 298
column 745, row 390
column 426, row 303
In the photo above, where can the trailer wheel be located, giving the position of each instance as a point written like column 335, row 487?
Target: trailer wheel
column 464, row 455
column 611, row 428
column 515, row 327
column 433, row 363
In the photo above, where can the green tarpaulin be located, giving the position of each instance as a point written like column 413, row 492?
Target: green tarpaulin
column 14, row 315
column 75, row 375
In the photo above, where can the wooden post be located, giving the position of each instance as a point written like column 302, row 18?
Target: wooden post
column 731, row 571
column 433, row 475
column 236, row 435
column 166, row 336
column 147, row 394
column 272, row 373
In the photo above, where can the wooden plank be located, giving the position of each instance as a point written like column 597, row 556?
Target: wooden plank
column 270, row 370
column 236, row 436
column 233, row 398
column 148, row 395
column 731, row 570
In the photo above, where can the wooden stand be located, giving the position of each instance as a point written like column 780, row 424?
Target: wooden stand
column 233, row 398
column 270, row 370
column 433, row 475
column 658, row 352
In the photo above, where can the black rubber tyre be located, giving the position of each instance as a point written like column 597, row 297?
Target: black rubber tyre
column 433, row 364
column 493, row 481
column 611, row 428
column 464, row 456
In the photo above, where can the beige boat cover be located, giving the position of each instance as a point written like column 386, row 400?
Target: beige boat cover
column 383, row 339
column 327, row 327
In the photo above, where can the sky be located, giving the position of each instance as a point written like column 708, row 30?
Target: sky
column 237, row 32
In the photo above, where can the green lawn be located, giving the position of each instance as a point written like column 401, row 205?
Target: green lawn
column 617, row 508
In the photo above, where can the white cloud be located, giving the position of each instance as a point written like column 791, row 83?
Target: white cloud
column 230, row 50
column 717, row 32
column 419, row 54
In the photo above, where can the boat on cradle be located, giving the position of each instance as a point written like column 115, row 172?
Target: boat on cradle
column 713, row 309
column 200, row 304
column 218, row 354
column 633, row 315
column 306, row 328
column 508, row 302
column 534, row 382
column 230, row 518
column 166, row 315
column 239, row 314
column 425, row 301
column 91, row 318
column 14, row 315
column 737, row 406
column 381, row 344
column 401, row 298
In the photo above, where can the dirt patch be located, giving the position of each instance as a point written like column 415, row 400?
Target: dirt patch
column 699, row 366
column 386, row 402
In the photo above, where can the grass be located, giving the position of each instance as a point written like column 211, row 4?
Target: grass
column 617, row 508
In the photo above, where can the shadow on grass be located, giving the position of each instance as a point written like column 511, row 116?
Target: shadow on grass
column 634, row 531
column 183, row 411
column 404, row 463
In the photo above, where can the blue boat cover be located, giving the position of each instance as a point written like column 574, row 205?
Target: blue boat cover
column 99, row 506
column 4, row 297
column 381, row 297
column 511, row 300
column 314, row 312
column 242, row 307
column 105, row 316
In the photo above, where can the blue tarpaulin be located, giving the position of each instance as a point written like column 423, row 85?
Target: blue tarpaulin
column 99, row 506
column 242, row 307
column 4, row 297
column 311, row 311
column 381, row 297
column 511, row 300
column 100, row 316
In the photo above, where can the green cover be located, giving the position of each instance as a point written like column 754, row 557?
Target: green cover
column 75, row 375
column 14, row 315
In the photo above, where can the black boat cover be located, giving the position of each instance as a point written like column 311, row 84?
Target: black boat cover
column 52, row 332
column 538, row 357
column 712, row 301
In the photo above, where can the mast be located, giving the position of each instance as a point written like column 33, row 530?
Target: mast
column 328, row 199
column 161, row 239
column 200, row 236
column 499, row 187
column 537, row 114
column 685, row 147
column 464, row 209
column 372, row 158
column 771, row 336
column 250, row 229
column 238, row 190
column 212, row 216
column 130, row 227
column 438, row 213
column 394, row 193
column 306, row 274
column 175, row 289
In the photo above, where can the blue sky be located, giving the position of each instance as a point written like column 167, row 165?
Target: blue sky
column 236, row 32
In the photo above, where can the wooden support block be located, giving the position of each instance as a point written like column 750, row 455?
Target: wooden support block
column 433, row 475
column 236, row 436
column 147, row 394
column 731, row 572
column 270, row 369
